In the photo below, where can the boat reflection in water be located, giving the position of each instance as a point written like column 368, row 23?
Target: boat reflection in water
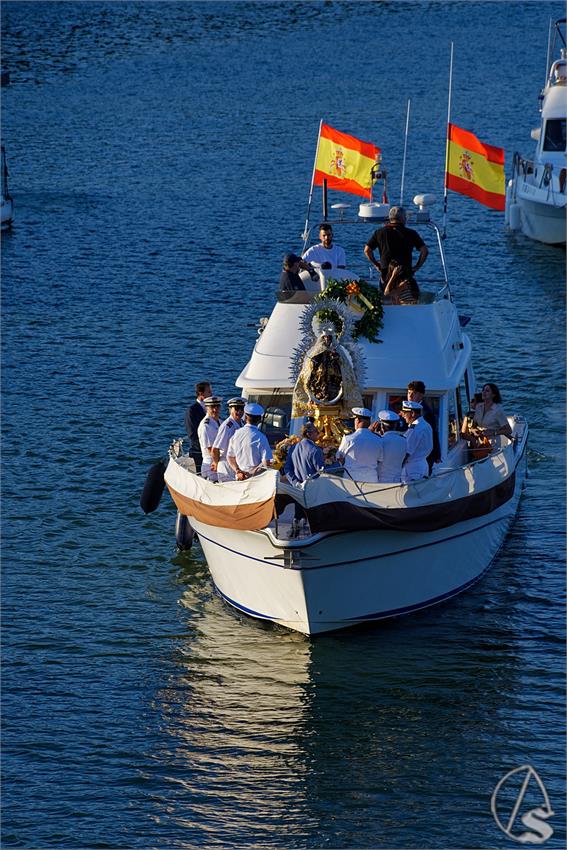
column 353, row 738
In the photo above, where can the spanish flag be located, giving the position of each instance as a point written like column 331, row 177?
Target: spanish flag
column 475, row 169
column 344, row 162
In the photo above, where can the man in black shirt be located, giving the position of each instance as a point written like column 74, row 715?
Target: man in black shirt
column 396, row 242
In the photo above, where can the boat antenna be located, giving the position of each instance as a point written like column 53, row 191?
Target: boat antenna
column 548, row 57
column 405, row 152
column 447, row 146
column 306, row 228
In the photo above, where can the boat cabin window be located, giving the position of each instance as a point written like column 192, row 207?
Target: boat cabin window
column 555, row 134
column 463, row 403
column 277, row 416
column 367, row 400
column 453, row 422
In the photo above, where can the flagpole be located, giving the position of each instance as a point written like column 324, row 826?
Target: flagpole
column 405, row 152
column 447, row 145
column 305, row 231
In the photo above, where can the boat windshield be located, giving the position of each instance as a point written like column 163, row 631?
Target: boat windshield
column 555, row 135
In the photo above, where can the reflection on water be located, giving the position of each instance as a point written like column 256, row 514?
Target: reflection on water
column 234, row 715
column 362, row 732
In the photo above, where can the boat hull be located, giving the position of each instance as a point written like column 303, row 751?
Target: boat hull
column 536, row 214
column 336, row 580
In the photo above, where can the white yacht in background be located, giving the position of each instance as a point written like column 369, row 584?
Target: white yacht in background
column 536, row 195
column 7, row 202
column 370, row 551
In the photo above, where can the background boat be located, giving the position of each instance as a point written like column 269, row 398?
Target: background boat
column 536, row 196
column 132, row 703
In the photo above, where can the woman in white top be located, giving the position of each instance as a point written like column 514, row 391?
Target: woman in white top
column 489, row 418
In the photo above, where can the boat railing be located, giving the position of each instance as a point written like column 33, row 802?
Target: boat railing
column 526, row 167
column 431, row 290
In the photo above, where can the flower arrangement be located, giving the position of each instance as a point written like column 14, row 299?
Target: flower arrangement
column 281, row 451
column 363, row 298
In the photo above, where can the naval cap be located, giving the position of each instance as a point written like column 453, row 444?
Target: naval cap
column 212, row 400
column 388, row 416
column 411, row 405
column 253, row 409
column 362, row 412
column 236, row 402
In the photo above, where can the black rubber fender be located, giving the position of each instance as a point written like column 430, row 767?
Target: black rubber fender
column 153, row 488
column 184, row 532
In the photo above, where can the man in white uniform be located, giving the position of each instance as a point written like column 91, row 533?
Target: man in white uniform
column 393, row 448
column 419, row 442
column 207, row 431
column 225, row 434
column 359, row 451
column 249, row 449
column 326, row 255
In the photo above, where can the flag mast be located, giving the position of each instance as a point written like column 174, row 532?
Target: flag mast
column 305, row 231
column 405, row 152
column 447, row 145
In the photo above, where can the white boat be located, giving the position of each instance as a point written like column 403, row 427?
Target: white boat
column 7, row 207
column 536, row 195
column 369, row 551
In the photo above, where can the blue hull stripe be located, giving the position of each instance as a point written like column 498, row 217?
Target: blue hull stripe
column 377, row 615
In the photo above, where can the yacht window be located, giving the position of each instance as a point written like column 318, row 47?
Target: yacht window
column 367, row 401
column 555, row 134
column 277, row 415
column 463, row 404
column 453, row 426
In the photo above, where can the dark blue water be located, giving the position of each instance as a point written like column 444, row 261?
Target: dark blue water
column 160, row 158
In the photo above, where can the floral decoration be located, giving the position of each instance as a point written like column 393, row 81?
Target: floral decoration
column 363, row 298
column 281, row 451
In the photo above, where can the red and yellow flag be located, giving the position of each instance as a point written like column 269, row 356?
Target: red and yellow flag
column 344, row 162
column 475, row 169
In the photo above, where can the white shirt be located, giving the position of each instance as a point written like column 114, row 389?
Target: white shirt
column 393, row 449
column 360, row 451
column 419, row 444
column 250, row 448
column 207, row 431
column 226, row 432
column 317, row 254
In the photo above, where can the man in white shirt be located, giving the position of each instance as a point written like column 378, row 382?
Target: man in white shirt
column 419, row 442
column 359, row 451
column 326, row 255
column 393, row 448
column 207, row 431
column 226, row 432
column 249, row 449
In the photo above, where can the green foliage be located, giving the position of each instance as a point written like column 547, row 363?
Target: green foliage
column 371, row 322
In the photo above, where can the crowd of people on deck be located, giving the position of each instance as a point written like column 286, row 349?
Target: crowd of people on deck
column 397, row 448
column 395, row 242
